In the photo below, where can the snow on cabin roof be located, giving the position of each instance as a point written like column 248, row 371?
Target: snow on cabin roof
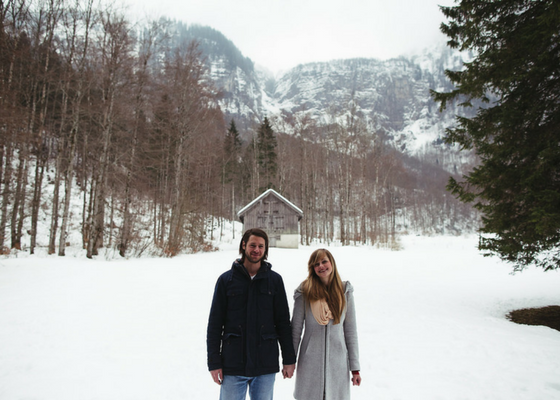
column 269, row 191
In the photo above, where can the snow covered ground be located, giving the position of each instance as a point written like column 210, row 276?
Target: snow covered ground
column 431, row 321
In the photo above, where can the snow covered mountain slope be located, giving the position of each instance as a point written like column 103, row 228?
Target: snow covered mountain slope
column 392, row 96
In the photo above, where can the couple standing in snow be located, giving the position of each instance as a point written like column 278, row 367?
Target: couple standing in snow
column 250, row 316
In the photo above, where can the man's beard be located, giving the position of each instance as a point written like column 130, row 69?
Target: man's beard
column 248, row 257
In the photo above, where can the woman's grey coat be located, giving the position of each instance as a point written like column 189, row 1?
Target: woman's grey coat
column 327, row 353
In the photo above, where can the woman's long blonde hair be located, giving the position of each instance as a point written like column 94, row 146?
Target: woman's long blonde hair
column 332, row 292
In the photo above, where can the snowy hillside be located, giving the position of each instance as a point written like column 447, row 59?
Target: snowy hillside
column 431, row 321
column 393, row 96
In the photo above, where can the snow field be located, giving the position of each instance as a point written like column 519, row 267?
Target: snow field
column 431, row 322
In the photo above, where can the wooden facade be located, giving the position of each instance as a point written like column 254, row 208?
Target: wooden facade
column 276, row 215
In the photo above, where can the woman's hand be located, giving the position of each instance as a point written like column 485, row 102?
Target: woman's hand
column 356, row 378
column 288, row 371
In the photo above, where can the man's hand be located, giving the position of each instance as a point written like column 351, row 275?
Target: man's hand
column 217, row 375
column 288, row 371
column 356, row 379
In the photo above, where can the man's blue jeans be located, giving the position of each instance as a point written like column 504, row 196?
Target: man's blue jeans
column 235, row 387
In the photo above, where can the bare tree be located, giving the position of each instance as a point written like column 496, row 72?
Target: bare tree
column 147, row 44
column 114, row 52
column 190, row 97
column 46, row 22
column 80, row 23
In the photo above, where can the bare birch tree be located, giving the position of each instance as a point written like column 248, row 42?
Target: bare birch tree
column 114, row 53
column 81, row 20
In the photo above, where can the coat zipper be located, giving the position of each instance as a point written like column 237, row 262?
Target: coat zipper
column 325, row 366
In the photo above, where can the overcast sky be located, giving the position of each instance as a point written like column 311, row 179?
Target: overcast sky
column 280, row 34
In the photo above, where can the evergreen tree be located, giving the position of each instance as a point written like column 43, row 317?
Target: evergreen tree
column 266, row 154
column 232, row 175
column 516, row 71
column 232, row 153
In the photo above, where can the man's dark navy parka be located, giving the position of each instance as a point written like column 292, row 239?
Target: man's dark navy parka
column 248, row 318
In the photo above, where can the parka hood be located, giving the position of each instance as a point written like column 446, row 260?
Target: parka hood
column 265, row 267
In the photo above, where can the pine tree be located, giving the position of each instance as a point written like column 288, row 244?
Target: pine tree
column 266, row 153
column 232, row 153
column 516, row 72
column 232, row 176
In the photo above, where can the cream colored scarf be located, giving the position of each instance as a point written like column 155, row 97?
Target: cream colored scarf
column 321, row 311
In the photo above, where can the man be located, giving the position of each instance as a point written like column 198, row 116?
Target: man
column 248, row 318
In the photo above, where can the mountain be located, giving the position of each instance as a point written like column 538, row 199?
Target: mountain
column 239, row 86
column 392, row 96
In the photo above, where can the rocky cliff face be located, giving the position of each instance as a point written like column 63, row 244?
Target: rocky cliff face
column 392, row 96
column 240, row 93
column 233, row 75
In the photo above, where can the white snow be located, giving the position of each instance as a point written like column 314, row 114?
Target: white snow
column 431, row 321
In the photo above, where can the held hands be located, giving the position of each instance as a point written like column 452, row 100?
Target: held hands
column 217, row 375
column 288, row 371
column 356, row 378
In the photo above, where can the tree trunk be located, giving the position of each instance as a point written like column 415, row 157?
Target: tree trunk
column 68, row 179
column 90, row 224
column 73, row 138
column 7, row 180
column 21, row 216
column 36, row 202
column 53, row 14
column 19, row 200
column 55, row 205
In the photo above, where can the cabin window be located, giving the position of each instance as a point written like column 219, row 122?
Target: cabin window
column 261, row 222
column 279, row 223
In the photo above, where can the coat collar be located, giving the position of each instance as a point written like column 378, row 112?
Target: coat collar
column 263, row 270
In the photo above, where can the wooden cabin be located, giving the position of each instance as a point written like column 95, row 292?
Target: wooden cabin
column 276, row 215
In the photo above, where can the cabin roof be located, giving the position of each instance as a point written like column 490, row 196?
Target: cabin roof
column 244, row 210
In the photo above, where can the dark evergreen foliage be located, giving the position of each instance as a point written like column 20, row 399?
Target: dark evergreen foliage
column 232, row 153
column 516, row 71
column 266, row 153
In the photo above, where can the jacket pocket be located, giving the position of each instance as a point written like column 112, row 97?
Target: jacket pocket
column 235, row 299
column 266, row 298
column 269, row 350
column 232, row 350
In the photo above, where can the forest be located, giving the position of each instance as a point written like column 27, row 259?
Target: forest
column 123, row 119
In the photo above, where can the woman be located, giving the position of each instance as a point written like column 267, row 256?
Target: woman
column 329, row 349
